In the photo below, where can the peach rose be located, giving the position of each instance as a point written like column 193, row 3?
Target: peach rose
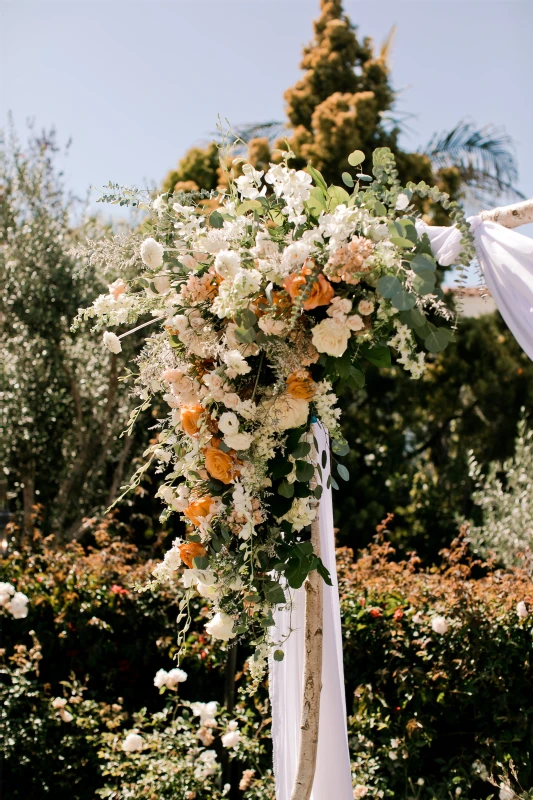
column 190, row 417
column 301, row 385
column 321, row 293
column 221, row 466
column 191, row 550
column 198, row 510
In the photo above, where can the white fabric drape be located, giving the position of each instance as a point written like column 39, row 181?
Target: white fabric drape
column 506, row 258
column 333, row 775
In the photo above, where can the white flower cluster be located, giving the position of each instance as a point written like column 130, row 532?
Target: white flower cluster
column 403, row 341
column 169, row 679
column 16, row 603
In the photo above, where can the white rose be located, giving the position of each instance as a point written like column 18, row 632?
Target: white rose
column 160, row 678
column 112, row 342
column 272, row 327
column 162, row 283
column 19, row 605
column 228, row 423
column 290, row 412
column 232, row 400
column 206, row 711
column 7, row 590
column 439, row 625
column 65, row 715
column 227, row 263
column 231, row 739
column 207, row 590
column 152, row 253
column 239, row 441
column 236, row 364
column 365, row 307
column 355, row 323
column 188, row 261
column 59, row 702
column 521, row 609
column 220, row 627
column 506, row 793
column 247, row 282
column 132, row 742
column 331, row 337
column 175, row 676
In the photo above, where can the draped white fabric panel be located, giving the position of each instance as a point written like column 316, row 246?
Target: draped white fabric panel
column 332, row 776
column 506, row 258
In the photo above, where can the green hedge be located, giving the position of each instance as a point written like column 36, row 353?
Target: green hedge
column 432, row 713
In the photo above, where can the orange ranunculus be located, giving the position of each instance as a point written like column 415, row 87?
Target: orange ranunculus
column 198, row 509
column 191, row 550
column 221, row 466
column 321, row 293
column 301, row 385
column 190, row 417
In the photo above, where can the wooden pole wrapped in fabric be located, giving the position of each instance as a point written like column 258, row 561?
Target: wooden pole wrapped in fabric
column 312, row 683
column 511, row 216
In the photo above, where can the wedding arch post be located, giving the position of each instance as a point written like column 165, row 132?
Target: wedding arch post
column 511, row 216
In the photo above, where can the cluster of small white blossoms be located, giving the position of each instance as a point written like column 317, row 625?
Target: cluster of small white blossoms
column 16, row 603
column 252, row 307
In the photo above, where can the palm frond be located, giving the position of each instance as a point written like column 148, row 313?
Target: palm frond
column 484, row 156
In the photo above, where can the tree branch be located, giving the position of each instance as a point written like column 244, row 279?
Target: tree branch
column 510, row 216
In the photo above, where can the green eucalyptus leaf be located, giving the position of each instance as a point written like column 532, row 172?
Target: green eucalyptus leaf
column 317, row 178
column 403, row 301
column 216, row 220
column 286, row 489
column 343, row 472
column 347, row 179
column 356, row 158
column 379, row 355
column 388, row 286
column 304, row 471
column 438, row 340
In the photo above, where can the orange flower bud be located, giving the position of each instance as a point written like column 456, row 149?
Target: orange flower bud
column 190, row 550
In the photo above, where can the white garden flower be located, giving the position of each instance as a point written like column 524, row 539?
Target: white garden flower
column 228, row 423
column 59, row 702
column 272, row 327
column 506, row 793
column 231, row 739
column 331, row 337
column 160, row 678
column 227, row 263
column 159, row 205
column 132, row 743
column 521, row 609
column 112, row 342
column 248, row 182
column 239, row 441
column 162, row 283
column 117, row 288
column 175, row 676
column 402, row 201
column 220, row 627
column 439, row 625
column 19, row 605
column 7, row 590
column 236, row 364
column 152, row 253
column 65, row 715
column 365, row 307
column 206, row 711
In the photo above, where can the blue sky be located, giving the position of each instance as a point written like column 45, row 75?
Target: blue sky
column 134, row 84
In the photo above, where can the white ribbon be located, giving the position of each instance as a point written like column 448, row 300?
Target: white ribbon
column 333, row 779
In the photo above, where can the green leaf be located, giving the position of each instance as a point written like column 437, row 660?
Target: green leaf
column 301, row 450
column 357, row 376
column 404, row 301
column 337, row 196
column 316, row 203
column 201, row 562
column 279, row 655
column 438, row 340
column 324, row 458
column 216, row 220
column 340, row 448
column 347, row 179
column 280, row 467
column 304, row 471
column 343, row 365
column 244, row 335
column 286, row 489
column 422, row 263
column 401, row 241
column 343, row 472
column 298, row 569
column 294, row 437
column 317, row 491
column 273, row 592
column 334, row 483
column 247, row 318
column 317, row 177
column 248, row 205
column 379, row 355
column 424, row 285
column 380, row 209
column 356, row 158
column 388, row 286
column 324, row 572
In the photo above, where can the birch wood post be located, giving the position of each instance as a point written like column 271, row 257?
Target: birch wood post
column 511, row 216
column 312, row 683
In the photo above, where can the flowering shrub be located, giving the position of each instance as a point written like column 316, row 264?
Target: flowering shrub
column 506, row 504
column 266, row 301
column 437, row 666
column 438, row 663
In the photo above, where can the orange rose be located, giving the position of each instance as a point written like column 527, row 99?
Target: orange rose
column 220, row 466
column 191, row 550
column 321, row 293
column 301, row 385
column 198, row 509
column 190, row 417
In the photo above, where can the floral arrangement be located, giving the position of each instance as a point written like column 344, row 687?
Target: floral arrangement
column 269, row 293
